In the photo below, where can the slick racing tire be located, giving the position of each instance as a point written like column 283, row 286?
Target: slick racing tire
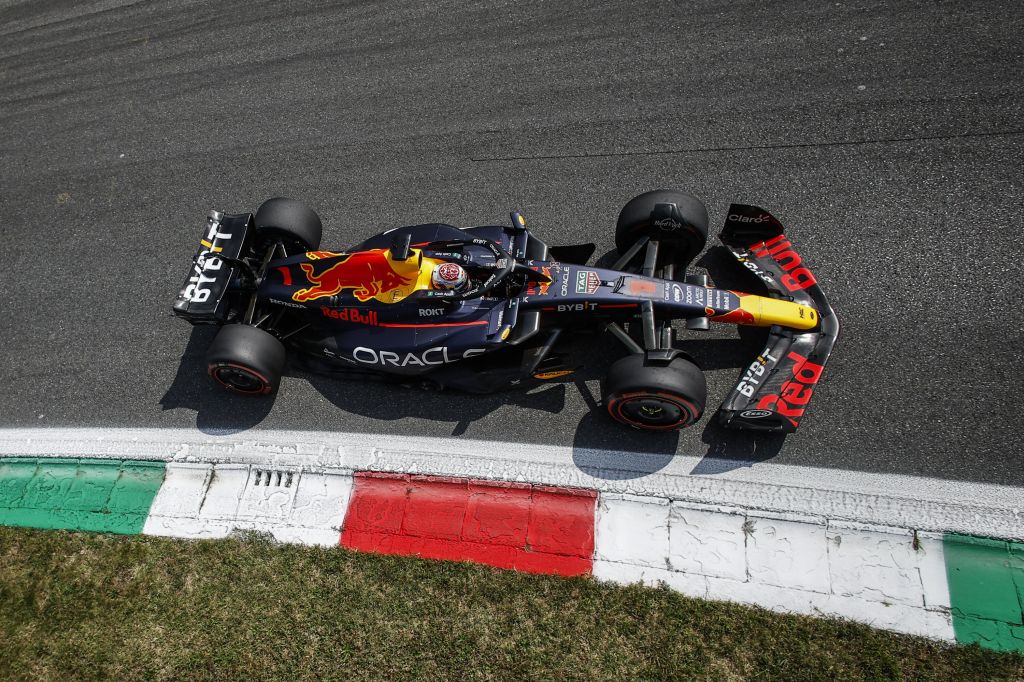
column 246, row 360
column 677, row 220
column 655, row 397
column 289, row 221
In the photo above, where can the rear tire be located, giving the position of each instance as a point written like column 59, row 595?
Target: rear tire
column 290, row 221
column 680, row 225
column 655, row 397
column 246, row 360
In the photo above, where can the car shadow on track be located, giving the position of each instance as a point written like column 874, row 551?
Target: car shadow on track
column 388, row 402
column 729, row 449
column 604, row 449
column 218, row 412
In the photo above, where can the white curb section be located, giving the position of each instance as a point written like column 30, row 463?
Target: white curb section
column 926, row 504
column 213, row 501
column 889, row 578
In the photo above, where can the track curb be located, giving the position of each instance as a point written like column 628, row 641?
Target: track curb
column 917, row 579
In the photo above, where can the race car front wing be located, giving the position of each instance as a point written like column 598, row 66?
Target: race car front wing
column 773, row 391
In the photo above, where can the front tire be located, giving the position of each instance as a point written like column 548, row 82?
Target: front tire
column 655, row 397
column 290, row 221
column 246, row 360
column 677, row 220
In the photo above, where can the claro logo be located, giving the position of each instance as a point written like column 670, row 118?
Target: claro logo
column 438, row 355
column 737, row 218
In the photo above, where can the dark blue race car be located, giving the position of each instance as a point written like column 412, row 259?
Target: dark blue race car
column 487, row 308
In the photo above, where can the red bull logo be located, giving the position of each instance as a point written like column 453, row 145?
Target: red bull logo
column 539, row 288
column 781, row 251
column 368, row 317
column 368, row 273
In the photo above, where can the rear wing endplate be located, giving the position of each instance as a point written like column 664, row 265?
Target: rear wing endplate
column 773, row 391
column 202, row 299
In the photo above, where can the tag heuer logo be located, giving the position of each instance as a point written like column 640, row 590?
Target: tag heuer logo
column 587, row 282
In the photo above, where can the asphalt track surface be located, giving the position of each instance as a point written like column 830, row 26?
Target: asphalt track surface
column 887, row 136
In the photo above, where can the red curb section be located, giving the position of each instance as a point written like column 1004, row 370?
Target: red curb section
column 531, row 528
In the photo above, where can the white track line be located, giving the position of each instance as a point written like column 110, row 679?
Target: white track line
column 925, row 504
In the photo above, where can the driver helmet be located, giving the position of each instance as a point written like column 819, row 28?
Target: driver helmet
column 449, row 277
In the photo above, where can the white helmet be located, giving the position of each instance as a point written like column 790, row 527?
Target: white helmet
column 449, row 277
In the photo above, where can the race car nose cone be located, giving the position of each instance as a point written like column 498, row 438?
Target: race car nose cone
column 449, row 276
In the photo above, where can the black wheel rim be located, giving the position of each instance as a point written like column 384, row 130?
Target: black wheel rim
column 240, row 379
column 653, row 411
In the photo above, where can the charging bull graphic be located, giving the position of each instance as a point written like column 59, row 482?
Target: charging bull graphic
column 368, row 273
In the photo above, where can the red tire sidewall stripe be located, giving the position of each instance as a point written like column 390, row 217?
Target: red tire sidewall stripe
column 616, row 403
column 212, row 371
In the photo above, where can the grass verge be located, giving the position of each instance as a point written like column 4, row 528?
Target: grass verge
column 88, row 606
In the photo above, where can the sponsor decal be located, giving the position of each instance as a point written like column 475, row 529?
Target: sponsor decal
column 677, row 293
column 564, row 290
column 587, row 282
column 576, row 307
column 715, row 300
column 438, row 355
column 554, row 374
column 668, row 224
column 431, row 312
column 796, row 392
column 781, row 251
column 351, row 315
column 694, row 295
column 756, row 414
column 368, row 273
column 755, row 374
column 539, row 288
column 721, row 299
column 277, row 301
column 766, row 275
column 737, row 218
column 195, row 291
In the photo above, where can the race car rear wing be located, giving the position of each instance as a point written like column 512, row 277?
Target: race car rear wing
column 774, row 390
column 202, row 299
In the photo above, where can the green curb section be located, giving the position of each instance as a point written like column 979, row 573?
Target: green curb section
column 108, row 496
column 986, row 591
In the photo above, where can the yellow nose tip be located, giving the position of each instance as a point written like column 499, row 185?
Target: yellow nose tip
column 769, row 311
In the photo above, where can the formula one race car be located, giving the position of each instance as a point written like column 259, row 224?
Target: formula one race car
column 485, row 308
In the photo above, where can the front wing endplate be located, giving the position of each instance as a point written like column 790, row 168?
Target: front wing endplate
column 773, row 391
